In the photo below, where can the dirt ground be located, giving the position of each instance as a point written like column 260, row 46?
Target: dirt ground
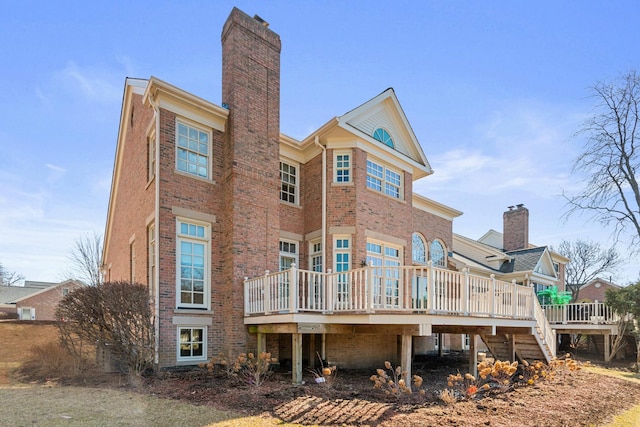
column 580, row 398
column 573, row 399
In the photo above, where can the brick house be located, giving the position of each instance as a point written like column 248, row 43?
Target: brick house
column 595, row 290
column 252, row 240
column 35, row 300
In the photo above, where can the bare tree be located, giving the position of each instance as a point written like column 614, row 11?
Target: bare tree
column 9, row 278
column 611, row 193
column 86, row 259
column 588, row 261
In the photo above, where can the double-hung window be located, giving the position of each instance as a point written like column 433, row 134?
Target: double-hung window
column 289, row 183
column 383, row 179
column 192, row 256
column 193, row 148
column 342, row 167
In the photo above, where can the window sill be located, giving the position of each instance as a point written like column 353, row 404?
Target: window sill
column 179, row 310
column 342, row 184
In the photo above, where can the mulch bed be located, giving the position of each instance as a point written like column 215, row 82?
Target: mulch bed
column 572, row 399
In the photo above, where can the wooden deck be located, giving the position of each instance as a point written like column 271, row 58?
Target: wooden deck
column 403, row 300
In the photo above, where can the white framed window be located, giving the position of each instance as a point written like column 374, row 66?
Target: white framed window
column 289, row 183
column 192, row 266
column 193, row 148
column 65, row 292
column 192, row 343
column 437, row 254
column 342, row 263
column 288, row 254
column 385, row 258
column 383, row 179
column 151, row 257
column 342, row 167
column 151, row 156
column 315, row 255
column 418, row 248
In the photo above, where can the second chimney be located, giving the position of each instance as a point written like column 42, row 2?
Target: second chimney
column 515, row 233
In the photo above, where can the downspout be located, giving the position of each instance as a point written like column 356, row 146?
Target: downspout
column 156, row 228
column 324, row 223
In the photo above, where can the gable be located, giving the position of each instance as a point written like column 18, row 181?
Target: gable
column 384, row 112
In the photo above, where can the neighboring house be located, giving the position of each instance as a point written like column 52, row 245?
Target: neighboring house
column 509, row 255
column 35, row 300
column 595, row 290
column 252, row 240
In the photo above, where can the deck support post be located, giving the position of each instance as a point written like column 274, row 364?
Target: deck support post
column 312, row 351
column 511, row 341
column 473, row 355
column 607, row 348
column 262, row 342
column 440, row 345
column 296, row 358
column 406, row 357
column 323, row 350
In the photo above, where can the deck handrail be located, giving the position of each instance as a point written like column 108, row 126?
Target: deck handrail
column 596, row 313
column 422, row 289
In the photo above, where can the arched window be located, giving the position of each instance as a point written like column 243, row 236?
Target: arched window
column 419, row 248
column 383, row 136
column 437, row 254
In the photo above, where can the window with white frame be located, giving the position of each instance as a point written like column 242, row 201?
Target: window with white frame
column 289, row 183
column 342, row 263
column 383, row 179
column 386, row 259
column 192, row 256
column 437, row 254
column 315, row 255
column 288, row 254
column 192, row 343
column 342, row 167
column 151, row 156
column 151, row 257
column 193, row 148
column 418, row 248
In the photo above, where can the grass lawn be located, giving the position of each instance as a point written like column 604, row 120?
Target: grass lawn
column 37, row 405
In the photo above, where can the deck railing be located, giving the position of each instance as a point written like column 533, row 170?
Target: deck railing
column 596, row 313
column 426, row 289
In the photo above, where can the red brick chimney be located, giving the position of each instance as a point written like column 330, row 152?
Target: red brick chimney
column 248, row 225
column 515, row 233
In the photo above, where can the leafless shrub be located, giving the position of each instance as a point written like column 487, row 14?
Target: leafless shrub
column 116, row 316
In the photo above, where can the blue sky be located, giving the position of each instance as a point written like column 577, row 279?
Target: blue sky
column 494, row 91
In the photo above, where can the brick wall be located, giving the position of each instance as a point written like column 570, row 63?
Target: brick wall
column 134, row 201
